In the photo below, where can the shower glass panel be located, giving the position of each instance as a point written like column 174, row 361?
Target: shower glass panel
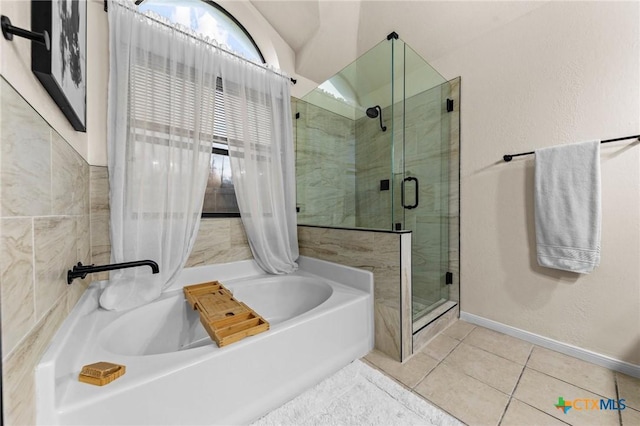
column 421, row 204
column 375, row 149
column 341, row 153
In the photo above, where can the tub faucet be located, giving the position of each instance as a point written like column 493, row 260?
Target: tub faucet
column 81, row 271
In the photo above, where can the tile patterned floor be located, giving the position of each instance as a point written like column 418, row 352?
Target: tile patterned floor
column 487, row 378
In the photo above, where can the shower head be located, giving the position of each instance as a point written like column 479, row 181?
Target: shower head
column 373, row 111
column 376, row 111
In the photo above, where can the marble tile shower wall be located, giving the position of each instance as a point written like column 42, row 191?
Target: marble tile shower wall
column 325, row 166
column 373, row 164
column 44, row 230
column 423, row 156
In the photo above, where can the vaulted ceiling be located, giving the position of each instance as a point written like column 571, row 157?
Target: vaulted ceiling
column 328, row 35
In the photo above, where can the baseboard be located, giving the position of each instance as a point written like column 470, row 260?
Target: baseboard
column 565, row 348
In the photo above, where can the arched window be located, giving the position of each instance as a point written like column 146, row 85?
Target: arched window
column 210, row 20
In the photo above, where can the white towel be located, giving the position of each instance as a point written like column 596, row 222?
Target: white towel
column 567, row 206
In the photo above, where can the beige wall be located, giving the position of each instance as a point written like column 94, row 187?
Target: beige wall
column 565, row 72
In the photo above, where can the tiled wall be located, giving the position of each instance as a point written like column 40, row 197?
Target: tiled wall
column 100, row 239
column 373, row 158
column 325, row 166
column 219, row 240
column 44, row 230
column 382, row 254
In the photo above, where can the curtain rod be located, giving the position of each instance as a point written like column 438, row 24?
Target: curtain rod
column 509, row 157
column 293, row 80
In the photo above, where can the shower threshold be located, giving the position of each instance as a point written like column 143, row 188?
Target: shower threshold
column 442, row 306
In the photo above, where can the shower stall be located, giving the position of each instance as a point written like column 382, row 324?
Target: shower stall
column 377, row 147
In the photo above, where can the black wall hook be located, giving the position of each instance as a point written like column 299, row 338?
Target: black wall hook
column 8, row 31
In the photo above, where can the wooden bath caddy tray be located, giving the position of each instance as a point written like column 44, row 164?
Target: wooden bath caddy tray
column 226, row 319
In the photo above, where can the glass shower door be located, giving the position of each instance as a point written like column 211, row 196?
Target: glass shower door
column 421, row 177
column 424, row 202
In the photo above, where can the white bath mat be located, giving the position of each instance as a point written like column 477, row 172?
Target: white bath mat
column 357, row 395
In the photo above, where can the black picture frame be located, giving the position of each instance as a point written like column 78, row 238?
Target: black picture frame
column 63, row 69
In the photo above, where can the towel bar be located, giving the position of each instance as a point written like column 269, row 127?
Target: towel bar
column 509, row 157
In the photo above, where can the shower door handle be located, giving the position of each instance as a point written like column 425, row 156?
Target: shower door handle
column 402, row 189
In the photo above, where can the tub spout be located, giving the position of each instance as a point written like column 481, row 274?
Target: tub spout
column 81, row 271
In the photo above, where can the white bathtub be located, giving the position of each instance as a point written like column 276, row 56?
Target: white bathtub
column 321, row 319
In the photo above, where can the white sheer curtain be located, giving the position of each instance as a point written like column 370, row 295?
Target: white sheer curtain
column 162, row 88
column 170, row 93
column 257, row 107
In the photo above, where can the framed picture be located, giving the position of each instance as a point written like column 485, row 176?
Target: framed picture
column 63, row 69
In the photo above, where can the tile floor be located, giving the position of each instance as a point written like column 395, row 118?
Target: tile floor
column 483, row 377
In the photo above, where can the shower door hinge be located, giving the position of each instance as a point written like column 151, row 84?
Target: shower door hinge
column 297, row 115
column 448, row 278
column 449, row 105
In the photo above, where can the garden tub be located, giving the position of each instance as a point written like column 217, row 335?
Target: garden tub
column 321, row 319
